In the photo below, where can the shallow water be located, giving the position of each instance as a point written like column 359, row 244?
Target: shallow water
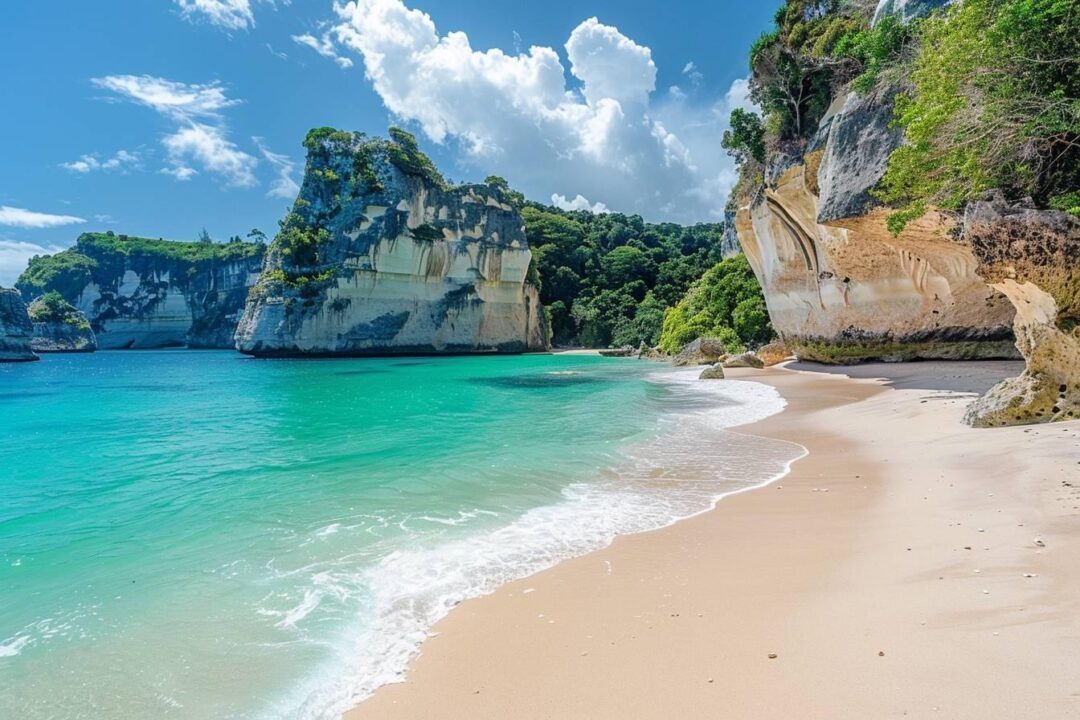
column 199, row 535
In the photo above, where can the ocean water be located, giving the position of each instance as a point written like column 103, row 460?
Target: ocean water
column 200, row 535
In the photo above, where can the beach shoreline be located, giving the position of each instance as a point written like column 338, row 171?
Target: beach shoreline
column 893, row 572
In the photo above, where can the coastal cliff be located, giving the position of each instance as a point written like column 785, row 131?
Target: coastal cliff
column 379, row 255
column 876, row 232
column 16, row 330
column 140, row 293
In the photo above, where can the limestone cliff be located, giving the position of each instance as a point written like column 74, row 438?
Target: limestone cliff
column 16, row 330
column 59, row 327
column 839, row 286
column 151, row 293
column 952, row 269
column 380, row 256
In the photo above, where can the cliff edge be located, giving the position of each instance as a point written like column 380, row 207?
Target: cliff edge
column 379, row 255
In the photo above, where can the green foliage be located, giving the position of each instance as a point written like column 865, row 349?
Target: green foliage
column 405, row 153
column 995, row 105
column 746, row 138
column 507, row 193
column 53, row 308
column 1067, row 202
column 606, row 279
column 67, row 272
column 876, row 49
column 299, row 242
column 795, row 66
column 725, row 303
column 318, row 138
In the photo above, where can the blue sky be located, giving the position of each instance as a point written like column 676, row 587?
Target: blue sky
column 161, row 117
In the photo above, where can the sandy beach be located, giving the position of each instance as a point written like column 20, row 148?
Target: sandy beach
column 909, row 567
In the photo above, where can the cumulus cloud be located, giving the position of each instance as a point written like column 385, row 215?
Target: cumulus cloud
column 614, row 140
column 283, row 185
column 15, row 254
column 578, row 203
column 206, row 145
column 90, row 163
column 201, row 138
column 323, row 45
column 22, row 218
column 226, row 14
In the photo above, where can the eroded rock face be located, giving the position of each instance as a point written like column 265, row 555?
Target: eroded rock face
column 1033, row 258
column 16, row 330
column 379, row 257
column 839, row 287
column 906, row 9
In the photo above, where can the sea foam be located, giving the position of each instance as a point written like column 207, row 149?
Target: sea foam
column 692, row 463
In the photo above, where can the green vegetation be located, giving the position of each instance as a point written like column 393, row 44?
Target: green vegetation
column 507, row 193
column 407, row 156
column 607, row 279
column 990, row 97
column 53, row 308
column 995, row 104
column 726, row 303
column 746, row 138
column 101, row 257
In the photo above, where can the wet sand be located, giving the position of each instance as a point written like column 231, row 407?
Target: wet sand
column 895, row 572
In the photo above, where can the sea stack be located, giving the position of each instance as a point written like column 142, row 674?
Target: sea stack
column 381, row 256
column 16, row 330
column 59, row 327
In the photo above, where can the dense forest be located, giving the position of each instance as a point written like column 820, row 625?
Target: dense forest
column 607, row 279
column 986, row 94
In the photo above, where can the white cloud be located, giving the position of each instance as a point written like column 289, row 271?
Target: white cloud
column 176, row 99
column 201, row 136
column 325, row 47
column 615, row 140
column 20, row 217
column 207, row 145
column 89, row 163
column 691, row 71
column 226, row 14
column 578, row 203
column 181, row 172
column 14, row 255
column 283, row 186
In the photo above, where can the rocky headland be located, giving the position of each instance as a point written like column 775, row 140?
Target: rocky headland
column 380, row 255
column 140, row 293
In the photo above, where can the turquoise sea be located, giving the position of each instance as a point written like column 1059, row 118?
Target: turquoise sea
column 201, row 535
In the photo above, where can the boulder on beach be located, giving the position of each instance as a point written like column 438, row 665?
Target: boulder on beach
column 703, row 351
column 625, row 351
column 774, row 353
column 713, row 372
column 744, row 360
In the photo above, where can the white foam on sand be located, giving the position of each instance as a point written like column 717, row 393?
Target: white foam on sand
column 694, row 462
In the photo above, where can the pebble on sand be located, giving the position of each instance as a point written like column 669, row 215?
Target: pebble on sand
column 772, row 656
